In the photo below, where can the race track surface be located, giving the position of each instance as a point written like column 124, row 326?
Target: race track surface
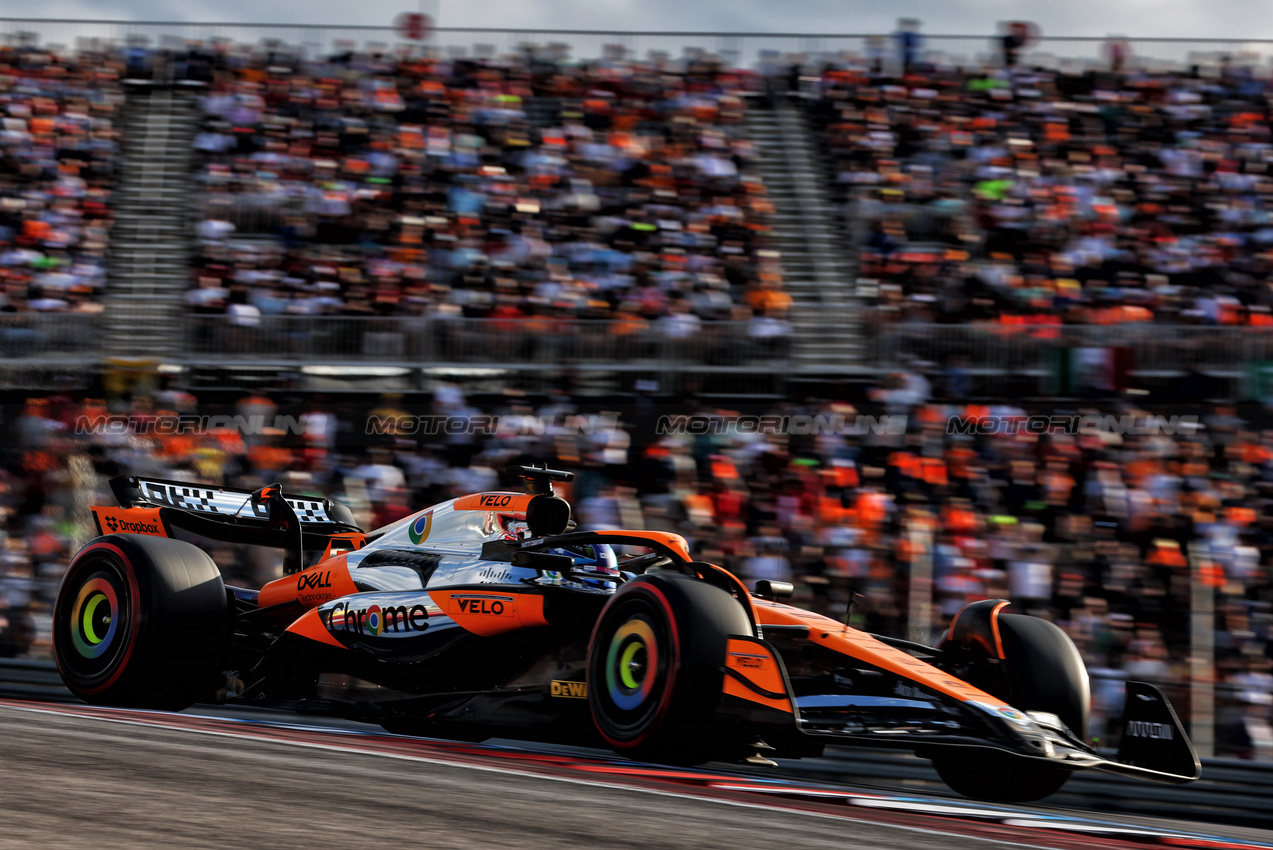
column 84, row 777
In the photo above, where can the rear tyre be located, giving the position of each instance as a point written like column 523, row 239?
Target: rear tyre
column 654, row 667
column 141, row 622
column 1044, row 672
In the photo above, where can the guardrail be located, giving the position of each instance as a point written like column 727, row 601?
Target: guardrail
column 531, row 342
column 1231, row 791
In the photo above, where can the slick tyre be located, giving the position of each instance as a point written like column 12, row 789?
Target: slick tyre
column 141, row 622
column 1044, row 672
column 997, row 778
column 654, row 667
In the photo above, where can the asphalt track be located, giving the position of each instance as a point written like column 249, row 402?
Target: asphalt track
column 76, row 776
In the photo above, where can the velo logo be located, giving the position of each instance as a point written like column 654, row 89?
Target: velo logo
column 483, row 605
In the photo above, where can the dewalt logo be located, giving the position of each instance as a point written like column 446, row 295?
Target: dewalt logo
column 570, row 690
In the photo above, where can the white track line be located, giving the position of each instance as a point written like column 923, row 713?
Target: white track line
column 507, row 771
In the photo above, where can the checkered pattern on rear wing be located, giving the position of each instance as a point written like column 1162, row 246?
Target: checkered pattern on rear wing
column 192, row 497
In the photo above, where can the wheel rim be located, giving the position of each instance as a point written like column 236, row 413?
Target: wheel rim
column 632, row 664
column 93, row 630
column 95, row 618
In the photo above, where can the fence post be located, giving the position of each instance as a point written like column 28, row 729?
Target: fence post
column 1202, row 650
column 919, row 617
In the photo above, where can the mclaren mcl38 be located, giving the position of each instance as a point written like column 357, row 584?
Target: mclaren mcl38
column 490, row 615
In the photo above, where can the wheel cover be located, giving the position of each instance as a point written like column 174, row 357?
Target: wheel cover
column 632, row 665
column 95, row 617
column 94, row 626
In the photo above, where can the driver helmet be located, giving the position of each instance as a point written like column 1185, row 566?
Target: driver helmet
column 594, row 557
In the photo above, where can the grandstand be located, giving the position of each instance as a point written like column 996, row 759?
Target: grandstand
column 293, row 206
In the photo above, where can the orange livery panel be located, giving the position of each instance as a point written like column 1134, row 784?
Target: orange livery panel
column 753, row 673
column 508, row 502
column 858, row 644
column 491, row 612
column 340, row 544
column 129, row 521
column 671, row 540
column 310, row 625
column 312, row 587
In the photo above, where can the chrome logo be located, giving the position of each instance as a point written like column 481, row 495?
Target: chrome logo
column 632, row 664
column 1012, row 714
column 375, row 621
column 96, row 618
column 419, row 529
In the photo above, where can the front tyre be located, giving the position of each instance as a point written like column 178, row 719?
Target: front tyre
column 1043, row 671
column 998, row 778
column 141, row 622
column 655, row 667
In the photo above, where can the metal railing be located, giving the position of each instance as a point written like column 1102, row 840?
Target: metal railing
column 739, row 49
column 1153, row 349
column 65, row 337
column 518, row 343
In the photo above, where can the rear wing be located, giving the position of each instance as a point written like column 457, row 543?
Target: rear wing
column 264, row 517
column 224, row 503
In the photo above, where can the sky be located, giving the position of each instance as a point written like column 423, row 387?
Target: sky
column 1146, row 18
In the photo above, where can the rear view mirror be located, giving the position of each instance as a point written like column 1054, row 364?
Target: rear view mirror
column 766, row 589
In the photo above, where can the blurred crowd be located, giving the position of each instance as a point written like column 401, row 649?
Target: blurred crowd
column 1024, row 196
column 59, row 139
column 1099, row 532
column 363, row 185
column 369, row 184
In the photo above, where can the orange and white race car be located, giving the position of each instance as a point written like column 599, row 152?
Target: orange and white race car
column 489, row 615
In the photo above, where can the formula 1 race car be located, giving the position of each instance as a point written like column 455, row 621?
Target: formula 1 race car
column 489, row 615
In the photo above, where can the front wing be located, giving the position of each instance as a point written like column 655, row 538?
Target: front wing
column 876, row 708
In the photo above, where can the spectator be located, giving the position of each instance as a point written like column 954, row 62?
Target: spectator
column 58, row 146
column 482, row 189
